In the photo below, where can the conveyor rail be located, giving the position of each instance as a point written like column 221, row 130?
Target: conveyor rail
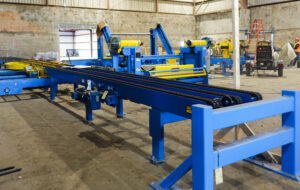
column 146, row 89
column 238, row 96
column 225, row 99
column 159, row 98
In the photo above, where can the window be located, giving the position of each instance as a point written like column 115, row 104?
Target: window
column 77, row 44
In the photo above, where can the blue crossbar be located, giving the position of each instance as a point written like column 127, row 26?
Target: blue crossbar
column 234, row 115
column 159, row 57
column 253, row 145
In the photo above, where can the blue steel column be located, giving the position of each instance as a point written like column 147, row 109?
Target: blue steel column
column 115, row 62
column 100, row 48
column 291, row 152
column 156, row 130
column 202, row 60
column 137, row 62
column 88, row 111
column 119, row 108
column 53, row 89
column 153, row 42
column 202, row 147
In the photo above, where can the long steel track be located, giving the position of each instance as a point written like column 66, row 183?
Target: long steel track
column 228, row 96
column 211, row 95
column 254, row 95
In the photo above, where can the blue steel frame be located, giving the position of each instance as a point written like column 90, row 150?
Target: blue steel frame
column 205, row 158
column 227, row 62
column 16, row 86
column 159, row 31
column 194, row 55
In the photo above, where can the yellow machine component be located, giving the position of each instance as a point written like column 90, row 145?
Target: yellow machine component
column 192, row 43
column 126, row 43
column 107, row 58
column 169, row 71
column 226, row 47
column 174, row 61
column 129, row 43
column 31, row 66
column 17, row 66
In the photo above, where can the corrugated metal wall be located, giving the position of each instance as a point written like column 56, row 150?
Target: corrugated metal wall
column 264, row 2
column 144, row 5
column 213, row 6
column 80, row 3
column 164, row 6
column 175, row 7
column 37, row 2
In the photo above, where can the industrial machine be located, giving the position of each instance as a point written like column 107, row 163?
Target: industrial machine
column 264, row 60
column 262, row 49
column 23, row 74
column 222, row 52
column 209, row 108
column 188, row 64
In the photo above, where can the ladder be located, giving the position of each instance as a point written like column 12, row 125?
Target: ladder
column 256, row 30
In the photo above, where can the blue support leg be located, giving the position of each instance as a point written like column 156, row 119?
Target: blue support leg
column 156, row 128
column 88, row 113
column 290, row 152
column 119, row 108
column 202, row 147
column 224, row 67
column 53, row 91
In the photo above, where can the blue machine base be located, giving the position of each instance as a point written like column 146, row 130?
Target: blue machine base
column 276, row 168
column 155, row 186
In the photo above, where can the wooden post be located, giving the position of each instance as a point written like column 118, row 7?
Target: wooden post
column 194, row 7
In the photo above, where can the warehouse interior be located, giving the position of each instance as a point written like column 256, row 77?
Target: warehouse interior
column 54, row 135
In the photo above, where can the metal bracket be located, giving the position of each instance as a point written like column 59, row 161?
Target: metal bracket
column 154, row 160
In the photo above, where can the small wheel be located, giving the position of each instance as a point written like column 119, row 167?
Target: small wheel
column 280, row 71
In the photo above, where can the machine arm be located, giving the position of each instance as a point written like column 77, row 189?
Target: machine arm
column 164, row 39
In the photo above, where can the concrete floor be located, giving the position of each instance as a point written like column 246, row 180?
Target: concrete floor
column 57, row 151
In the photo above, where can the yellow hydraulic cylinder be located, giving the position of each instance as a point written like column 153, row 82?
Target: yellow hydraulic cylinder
column 128, row 43
column 192, row 43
